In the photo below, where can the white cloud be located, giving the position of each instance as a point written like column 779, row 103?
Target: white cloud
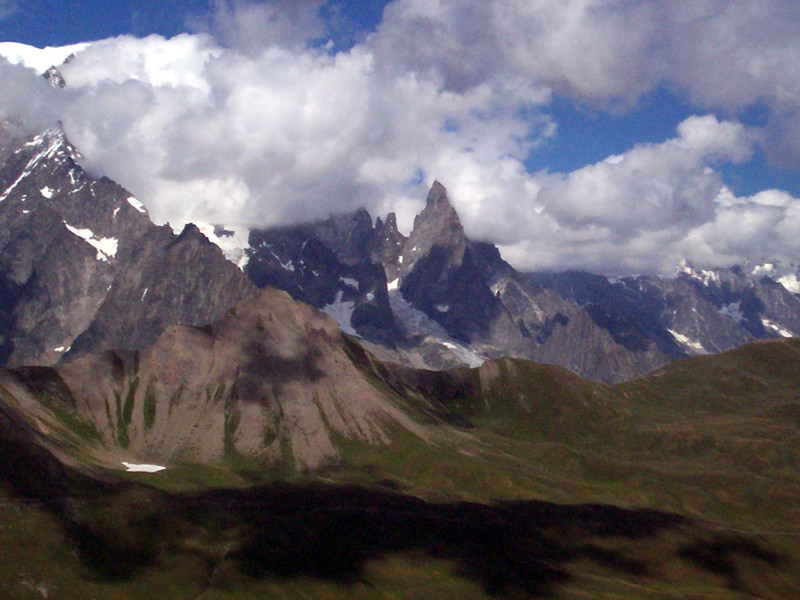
column 645, row 210
column 248, row 124
column 726, row 54
column 249, row 26
column 651, row 185
column 199, row 131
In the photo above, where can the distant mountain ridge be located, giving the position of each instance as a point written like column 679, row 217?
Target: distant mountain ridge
column 82, row 268
column 445, row 300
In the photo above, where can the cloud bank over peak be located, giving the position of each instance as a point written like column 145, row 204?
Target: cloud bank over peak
column 256, row 121
column 645, row 210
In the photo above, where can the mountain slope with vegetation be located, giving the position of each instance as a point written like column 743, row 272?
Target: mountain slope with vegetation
column 513, row 479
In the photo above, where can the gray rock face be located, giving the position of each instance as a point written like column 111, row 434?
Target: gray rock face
column 83, row 268
column 449, row 300
column 329, row 265
column 697, row 312
column 387, row 246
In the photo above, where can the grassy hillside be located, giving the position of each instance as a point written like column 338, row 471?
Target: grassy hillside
column 529, row 482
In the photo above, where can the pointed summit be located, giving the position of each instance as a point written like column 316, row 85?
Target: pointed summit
column 437, row 225
column 388, row 246
column 437, row 195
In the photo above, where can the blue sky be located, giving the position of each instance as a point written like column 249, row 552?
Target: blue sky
column 612, row 135
column 52, row 23
column 586, row 133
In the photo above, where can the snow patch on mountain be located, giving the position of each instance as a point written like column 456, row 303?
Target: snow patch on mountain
column 416, row 322
column 51, row 142
column 707, row 276
column 763, row 269
column 688, row 343
column 783, row 332
column 342, row 312
column 38, row 59
column 233, row 241
column 137, row 205
column 46, row 192
column 464, row 354
column 142, row 468
column 106, row 247
column 790, row 282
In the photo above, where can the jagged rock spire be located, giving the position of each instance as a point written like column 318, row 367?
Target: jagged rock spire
column 437, row 225
column 437, row 195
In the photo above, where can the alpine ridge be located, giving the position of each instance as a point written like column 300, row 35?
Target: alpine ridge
column 82, row 266
column 450, row 301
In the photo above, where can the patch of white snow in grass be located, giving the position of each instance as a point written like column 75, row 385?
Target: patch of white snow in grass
column 142, row 468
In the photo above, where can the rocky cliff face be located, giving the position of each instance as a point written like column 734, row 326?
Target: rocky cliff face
column 270, row 381
column 696, row 312
column 327, row 264
column 437, row 299
column 83, row 268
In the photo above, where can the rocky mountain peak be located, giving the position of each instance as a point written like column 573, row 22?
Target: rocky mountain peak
column 348, row 235
column 437, row 195
column 54, row 77
column 83, row 268
column 437, row 225
column 389, row 245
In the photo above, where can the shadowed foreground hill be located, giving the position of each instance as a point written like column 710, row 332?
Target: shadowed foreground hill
column 513, row 479
column 269, row 382
column 712, row 437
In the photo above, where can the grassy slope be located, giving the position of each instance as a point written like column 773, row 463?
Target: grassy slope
column 715, row 439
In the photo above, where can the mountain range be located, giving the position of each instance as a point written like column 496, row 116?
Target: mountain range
column 444, row 300
column 84, row 269
column 174, row 424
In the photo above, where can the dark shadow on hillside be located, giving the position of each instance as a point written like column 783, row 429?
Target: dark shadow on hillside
column 520, row 548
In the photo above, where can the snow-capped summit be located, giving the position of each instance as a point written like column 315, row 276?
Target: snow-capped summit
column 38, row 59
column 83, row 268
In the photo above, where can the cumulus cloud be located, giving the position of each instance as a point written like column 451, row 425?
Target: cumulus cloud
column 251, row 26
column 253, row 122
column 725, row 54
column 645, row 210
column 200, row 131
